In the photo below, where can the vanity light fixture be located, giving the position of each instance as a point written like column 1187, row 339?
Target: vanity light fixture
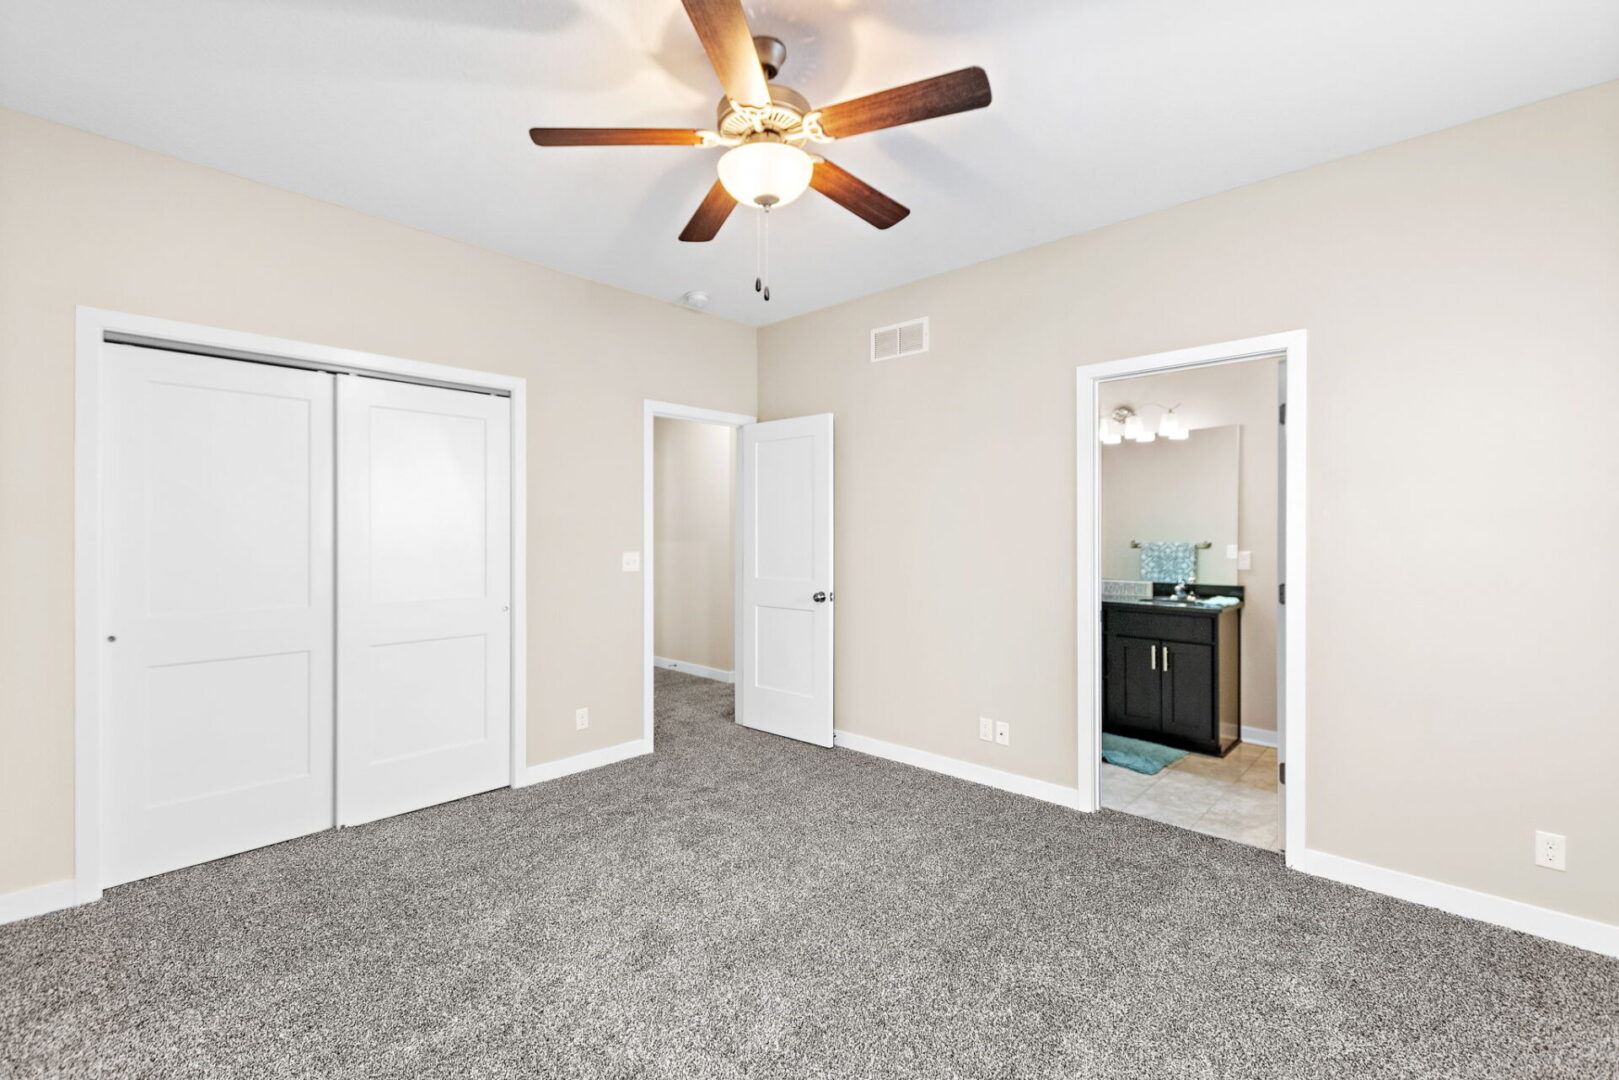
column 1124, row 423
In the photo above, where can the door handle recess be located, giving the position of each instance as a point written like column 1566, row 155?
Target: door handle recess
column 1155, row 658
column 819, row 598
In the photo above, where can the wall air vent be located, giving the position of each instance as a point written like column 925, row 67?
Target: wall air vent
column 901, row 339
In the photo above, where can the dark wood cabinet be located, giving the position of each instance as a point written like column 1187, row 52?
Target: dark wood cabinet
column 1172, row 674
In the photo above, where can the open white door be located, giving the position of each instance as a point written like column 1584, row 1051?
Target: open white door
column 785, row 681
column 423, row 616
column 216, row 692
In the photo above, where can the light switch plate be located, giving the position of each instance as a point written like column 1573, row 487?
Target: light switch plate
column 1245, row 560
column 1231, row 551
column 632, row 561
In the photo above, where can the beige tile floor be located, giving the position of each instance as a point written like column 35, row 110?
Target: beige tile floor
column 1234, row 797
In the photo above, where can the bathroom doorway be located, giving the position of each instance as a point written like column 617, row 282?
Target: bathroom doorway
column 1185, row 617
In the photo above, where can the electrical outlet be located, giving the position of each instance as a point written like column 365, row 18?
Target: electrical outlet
column 632, row 561
column 1245, row 560
column 986, row 729
column 1551, row 850
column 1003, row 733
column 581, row 719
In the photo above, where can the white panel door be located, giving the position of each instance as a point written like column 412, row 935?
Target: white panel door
column 424, row 572
column 216, row 698
column 786, row 651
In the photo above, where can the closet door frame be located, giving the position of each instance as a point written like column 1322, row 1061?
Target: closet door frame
column 94, row 328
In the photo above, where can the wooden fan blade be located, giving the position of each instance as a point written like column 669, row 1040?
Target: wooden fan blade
column 942, row 95
column 723, row 29
column 705, row 224
column 615, row 137
column 856, row 196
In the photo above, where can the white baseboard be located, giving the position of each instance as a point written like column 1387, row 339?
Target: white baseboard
column 1258, row 736
column 1573, row 930
column 694, row 669
column 961, row 770
column 590, row 759
column 39, row 900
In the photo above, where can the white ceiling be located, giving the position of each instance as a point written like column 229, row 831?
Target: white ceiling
column 418, row 110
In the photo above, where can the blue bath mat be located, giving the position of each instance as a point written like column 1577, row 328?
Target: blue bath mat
column 1136, row 755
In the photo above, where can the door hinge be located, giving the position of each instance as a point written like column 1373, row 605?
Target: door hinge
column 1281, row 772
column 1282, row 413
column 1281, row 593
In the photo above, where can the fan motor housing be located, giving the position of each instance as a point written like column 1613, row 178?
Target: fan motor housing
column 784, row 113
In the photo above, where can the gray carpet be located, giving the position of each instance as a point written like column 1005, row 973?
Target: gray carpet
column 739, row 905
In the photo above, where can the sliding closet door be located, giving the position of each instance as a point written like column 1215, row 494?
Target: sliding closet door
column 217, row 621
column 424, row 572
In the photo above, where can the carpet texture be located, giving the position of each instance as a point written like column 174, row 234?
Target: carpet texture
column 739, row 905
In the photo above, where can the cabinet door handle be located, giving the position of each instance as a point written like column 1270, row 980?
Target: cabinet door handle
column 1166, row 657
column 1155, row 658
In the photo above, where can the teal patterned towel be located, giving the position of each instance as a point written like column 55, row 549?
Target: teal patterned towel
column 1168, row 560
column 1137, row 755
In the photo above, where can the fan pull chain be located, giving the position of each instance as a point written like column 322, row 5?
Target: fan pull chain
column 765, row 275
column 758, row 257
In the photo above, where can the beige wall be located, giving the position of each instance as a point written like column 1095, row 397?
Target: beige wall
column 693, row 525
column 1243, row 394
column 84, row 220
column 1461, row 293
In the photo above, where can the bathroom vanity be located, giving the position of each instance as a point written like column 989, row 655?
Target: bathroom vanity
column 1172, row 672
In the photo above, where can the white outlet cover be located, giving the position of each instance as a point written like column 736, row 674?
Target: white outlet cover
column 581, row 719
column 632, row 561
column 1231, row 551
column 1003, row 733
column 1551, row 850
column 986, row 729
column 1245, row 560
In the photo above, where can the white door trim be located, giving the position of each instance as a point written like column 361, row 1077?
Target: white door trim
column 1291, row 347
column 650, row 411
column 92, row 325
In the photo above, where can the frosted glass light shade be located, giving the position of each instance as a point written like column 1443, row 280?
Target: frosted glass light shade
column 1171, row 428
column 1111, row 431
column 765, row 173
column 1133, row 428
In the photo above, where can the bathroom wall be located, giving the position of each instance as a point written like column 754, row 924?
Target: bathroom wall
column 1179, row 490
column 694, row 581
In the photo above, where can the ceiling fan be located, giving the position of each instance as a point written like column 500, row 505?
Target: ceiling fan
column 766, row 127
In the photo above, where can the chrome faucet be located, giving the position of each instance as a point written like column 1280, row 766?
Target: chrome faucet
column 1183, row 593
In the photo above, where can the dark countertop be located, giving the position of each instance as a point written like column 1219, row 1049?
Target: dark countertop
column 1168, row 606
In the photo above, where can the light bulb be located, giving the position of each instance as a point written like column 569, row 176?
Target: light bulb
column 1133, row 428
column 766, row 172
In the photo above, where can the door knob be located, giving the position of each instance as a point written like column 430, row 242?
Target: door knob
column 819, row 598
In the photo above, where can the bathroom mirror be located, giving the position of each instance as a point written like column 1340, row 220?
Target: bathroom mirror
column 1172, row 490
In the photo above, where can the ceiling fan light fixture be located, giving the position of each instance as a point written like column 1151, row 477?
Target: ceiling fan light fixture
column 766, row 172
